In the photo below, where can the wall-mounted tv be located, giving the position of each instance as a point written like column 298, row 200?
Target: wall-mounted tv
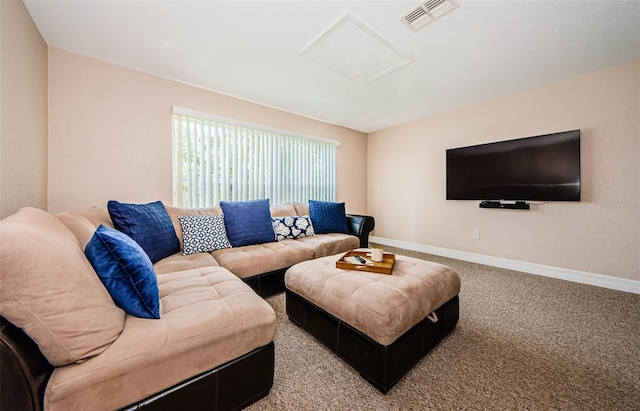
column 540, row 168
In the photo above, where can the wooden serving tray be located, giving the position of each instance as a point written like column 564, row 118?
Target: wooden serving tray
column 383, row 267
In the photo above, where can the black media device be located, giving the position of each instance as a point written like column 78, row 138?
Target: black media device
column 540, row 168
column 516, row 205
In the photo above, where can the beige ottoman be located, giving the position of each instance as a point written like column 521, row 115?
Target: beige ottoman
column 380, row 324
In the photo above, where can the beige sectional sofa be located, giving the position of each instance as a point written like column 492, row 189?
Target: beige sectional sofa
column 66, row 345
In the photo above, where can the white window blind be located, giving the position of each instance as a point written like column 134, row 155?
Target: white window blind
column 218, row 159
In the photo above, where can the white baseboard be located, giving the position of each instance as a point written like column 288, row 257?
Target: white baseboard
column 599, row 280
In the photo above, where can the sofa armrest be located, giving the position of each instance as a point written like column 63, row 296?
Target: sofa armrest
column 24, row 371
column 361, row 226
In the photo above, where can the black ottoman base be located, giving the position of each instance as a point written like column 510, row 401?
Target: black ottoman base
column 381, row 365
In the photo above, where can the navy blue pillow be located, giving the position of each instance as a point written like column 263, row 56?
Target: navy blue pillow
column 328, row 217
column 126, row 272
column 248, row 222
column 149, row 225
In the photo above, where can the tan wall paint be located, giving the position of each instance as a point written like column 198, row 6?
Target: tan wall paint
column 23, row 118
column 110, row 134
column 601, row 234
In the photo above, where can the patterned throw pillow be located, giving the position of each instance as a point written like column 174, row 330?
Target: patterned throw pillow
column 203, row 233
column 292, row 227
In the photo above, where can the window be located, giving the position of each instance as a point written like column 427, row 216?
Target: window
column 218, row 159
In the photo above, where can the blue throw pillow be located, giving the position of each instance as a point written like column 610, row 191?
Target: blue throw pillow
column 126, row 272
column 149, row 225
column 248, row 222
column 328, row 217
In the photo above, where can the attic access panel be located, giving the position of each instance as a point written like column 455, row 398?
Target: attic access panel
column 356, row 50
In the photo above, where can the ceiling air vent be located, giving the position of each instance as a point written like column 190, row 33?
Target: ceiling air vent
column 428, row 12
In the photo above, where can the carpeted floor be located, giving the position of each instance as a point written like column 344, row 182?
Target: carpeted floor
column 523, row 342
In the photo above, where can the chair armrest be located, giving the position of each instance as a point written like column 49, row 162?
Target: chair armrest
column 361, row 226
column 24, row 371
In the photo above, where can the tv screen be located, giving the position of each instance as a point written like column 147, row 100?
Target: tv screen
column 542, row 168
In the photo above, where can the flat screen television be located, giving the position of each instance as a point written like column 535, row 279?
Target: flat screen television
column 540, row 168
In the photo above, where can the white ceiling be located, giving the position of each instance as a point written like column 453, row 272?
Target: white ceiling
column 253, row 49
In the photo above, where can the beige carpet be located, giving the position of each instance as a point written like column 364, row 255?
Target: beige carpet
column 523, row 342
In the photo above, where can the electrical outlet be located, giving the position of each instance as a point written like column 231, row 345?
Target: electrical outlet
column 476, row 234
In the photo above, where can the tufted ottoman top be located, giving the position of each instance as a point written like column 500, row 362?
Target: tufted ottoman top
column 381, row 306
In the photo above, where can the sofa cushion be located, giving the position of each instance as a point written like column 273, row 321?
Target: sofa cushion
column 209, row 317
column 301, row 208
column 148, row 224
column 256, row 259
column 283, row 210
column 330, row 244
column 328, row 217
column 203, row 233
column 175, row 212
column 248, row 222
column 292, row 227
column 126, row 271
column 181, row 262
column 83, row 224
column 49, row 289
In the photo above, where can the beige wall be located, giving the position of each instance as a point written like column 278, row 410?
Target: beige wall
column 600, row 234
column 23, row 118
column 109, row 138
column 110, row 134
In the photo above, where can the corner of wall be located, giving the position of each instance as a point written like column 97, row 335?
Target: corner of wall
column 24, row 112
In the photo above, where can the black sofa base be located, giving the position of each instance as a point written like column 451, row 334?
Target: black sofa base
column 24, row 373
column 231, row 386
column 381, row 365
column 267, row 284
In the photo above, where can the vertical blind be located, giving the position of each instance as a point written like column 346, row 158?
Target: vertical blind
column 217, row 159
